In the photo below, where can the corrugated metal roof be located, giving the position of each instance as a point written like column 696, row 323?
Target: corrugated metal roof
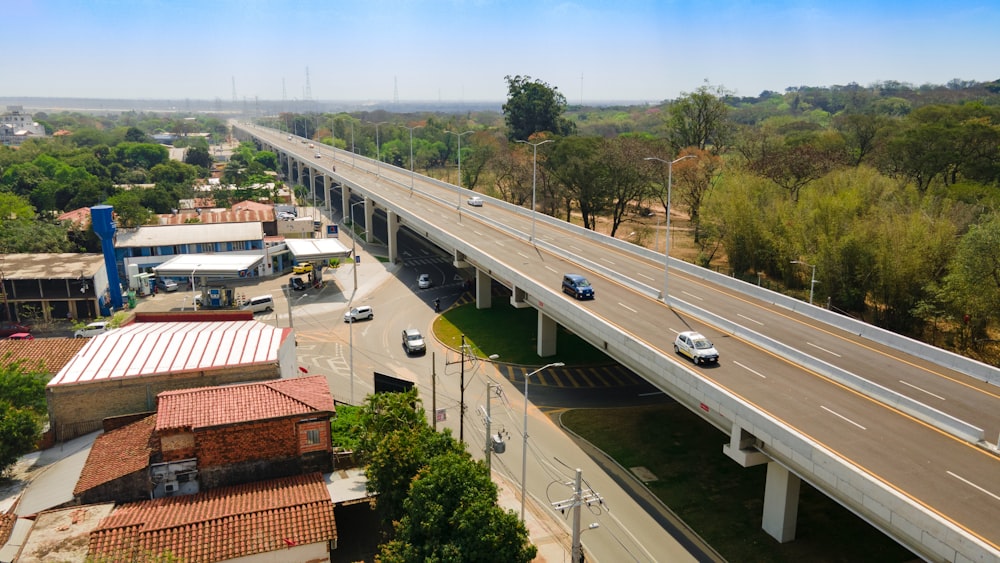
column 208, row 264
column 144, row 349
column 192, row 233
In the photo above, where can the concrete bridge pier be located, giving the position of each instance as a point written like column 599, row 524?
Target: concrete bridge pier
column 484, row 285
column 781, row 502
column 547, row 330
column 392, row 230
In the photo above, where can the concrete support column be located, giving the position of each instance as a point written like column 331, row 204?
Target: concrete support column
column 392, row 228
column 781, row 503
column 345, row 203
column 327, row 186
column 369, row 211
column 484, row 287
column 546, row 335
column 290, row 162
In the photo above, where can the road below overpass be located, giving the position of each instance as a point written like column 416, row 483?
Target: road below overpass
column 941, row 474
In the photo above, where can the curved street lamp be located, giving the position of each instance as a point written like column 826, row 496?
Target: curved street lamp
column 378, row 151
column 666, row 250
column 459, row 135
column 524, row 450
column 411, row 150
column 350, row 302
column 534, row 178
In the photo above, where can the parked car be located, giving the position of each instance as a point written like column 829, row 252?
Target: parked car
column 696, row 347
column 413, row 341
column 259, row 304
column 21, row 336
column 289, row 137
column 359, row 313
column 577, row 286
column 8, row 329
column 318, row 155
column 475, row 201
column 297, row 283
column 424, row 281
column 92, row 329
column 285, row 216
column 164, row 284
column 303, row 268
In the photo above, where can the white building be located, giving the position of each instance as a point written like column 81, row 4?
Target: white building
column 16, row 126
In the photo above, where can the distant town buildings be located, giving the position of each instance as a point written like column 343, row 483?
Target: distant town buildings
column 16, row 126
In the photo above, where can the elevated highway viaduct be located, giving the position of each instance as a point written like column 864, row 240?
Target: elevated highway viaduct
column 895, row 430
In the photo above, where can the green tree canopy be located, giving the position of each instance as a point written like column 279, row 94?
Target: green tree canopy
column 451, row 514
column 22, row 410
column 534, row 107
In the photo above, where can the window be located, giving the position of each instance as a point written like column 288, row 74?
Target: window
column 312, row 437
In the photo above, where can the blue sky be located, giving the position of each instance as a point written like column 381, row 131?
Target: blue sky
column 460, row 50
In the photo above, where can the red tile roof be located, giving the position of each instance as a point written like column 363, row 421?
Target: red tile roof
column 117, row 454
column 215, row 406
column 52, row 353
column 219, row 524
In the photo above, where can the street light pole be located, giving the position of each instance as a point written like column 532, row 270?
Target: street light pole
column 524, row 449
column 813, row 282
column 411, row 150
column 459, row 135
column 534, row 178
column 350, row 302
column 378, row 151
column 666, row 250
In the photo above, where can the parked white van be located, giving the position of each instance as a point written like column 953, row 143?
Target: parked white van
column 259, row 304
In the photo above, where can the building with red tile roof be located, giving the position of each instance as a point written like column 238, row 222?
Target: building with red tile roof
column 210, row 437
column 289, row 519
column 240, row 433
column 47, row 354
column 117, row 467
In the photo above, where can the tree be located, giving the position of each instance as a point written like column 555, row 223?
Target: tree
column 700, row 119
column 397, row 442
column 623, row 175
column 451, row 514
column 199, row 156
column 129, row 210
column 534, row 107
column 972, row 285
column 575, row 163
column 22, row 409
column 12, row 207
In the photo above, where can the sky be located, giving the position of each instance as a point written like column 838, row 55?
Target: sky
column 460, row 50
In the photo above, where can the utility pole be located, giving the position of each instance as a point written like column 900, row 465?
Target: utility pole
column 461, row 395
column 580, row 497
column 488, row 450
column 434, row 393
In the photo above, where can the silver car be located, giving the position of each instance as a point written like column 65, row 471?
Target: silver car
column 413, row 341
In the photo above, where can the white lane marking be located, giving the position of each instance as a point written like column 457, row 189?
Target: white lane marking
column 758, row 374
column 936, row 396
column 609, row 261
column 843, row 417
column 622, row 305
column 824, row 349
column 749, row 319
column 523, row 255
column 647, row 277
column 973, row 485
column 576, row 248
column 478, row 234
column 499, row 243
column 692, row 295
column 551, row 269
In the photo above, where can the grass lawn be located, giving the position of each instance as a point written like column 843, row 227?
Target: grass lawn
column 511, row 333
column 717, row 498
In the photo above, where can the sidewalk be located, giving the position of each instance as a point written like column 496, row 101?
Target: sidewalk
column 549, row 535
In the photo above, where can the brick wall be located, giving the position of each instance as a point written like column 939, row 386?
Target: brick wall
column 129, row 488
column 227, row 445
column 77, row 409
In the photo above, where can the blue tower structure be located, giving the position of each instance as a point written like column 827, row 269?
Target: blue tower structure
column 104, row 226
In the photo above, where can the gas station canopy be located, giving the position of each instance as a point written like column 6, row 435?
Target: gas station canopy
column 316, row 249
column 221, row 265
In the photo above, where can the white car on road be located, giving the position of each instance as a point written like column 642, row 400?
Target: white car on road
column 92, row 329
column 424, row 281
column 475, row 201
column 696, row 347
